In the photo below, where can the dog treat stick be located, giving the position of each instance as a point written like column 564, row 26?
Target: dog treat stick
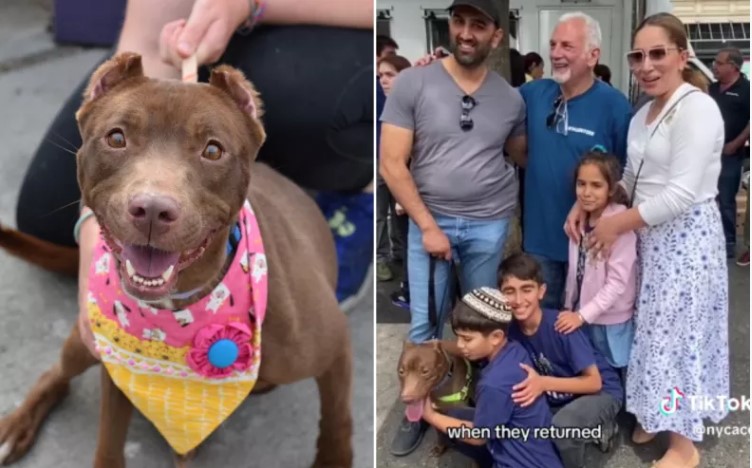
column 190, row 69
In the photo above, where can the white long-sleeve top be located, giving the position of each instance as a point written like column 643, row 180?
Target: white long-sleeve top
column 682, row 159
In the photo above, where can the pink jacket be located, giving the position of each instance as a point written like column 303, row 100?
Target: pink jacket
column 608, row 287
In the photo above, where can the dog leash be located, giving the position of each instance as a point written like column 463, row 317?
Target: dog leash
column 433, row 315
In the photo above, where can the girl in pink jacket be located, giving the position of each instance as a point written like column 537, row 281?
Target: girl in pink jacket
column 600, row 292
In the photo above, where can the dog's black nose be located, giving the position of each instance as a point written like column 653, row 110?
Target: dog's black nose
column 151, row 213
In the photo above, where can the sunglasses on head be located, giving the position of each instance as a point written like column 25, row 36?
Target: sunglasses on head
column 468, row 103
column 636, row 58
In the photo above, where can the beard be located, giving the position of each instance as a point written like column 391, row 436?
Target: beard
column 561, row 76
column 472, row 59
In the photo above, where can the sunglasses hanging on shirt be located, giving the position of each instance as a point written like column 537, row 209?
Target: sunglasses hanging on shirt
column 468, row 103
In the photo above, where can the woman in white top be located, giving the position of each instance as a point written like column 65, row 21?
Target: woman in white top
column 674, row 148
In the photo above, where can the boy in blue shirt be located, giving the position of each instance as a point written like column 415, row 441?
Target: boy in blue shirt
column 582, row 389
column 480, row 321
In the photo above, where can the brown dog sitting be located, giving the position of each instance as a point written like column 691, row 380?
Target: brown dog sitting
column 168, row 169
column 428, row 370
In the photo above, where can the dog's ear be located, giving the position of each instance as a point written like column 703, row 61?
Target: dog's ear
column 408, row 344
column 111, row 73
column 436, row 345
column 234, row 83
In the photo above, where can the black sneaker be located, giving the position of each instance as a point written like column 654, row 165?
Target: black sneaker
column 401, row 297
column 408, row 438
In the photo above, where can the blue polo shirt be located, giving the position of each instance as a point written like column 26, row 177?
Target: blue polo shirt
column 494, row 407
column 600, row 116
column 565, row 356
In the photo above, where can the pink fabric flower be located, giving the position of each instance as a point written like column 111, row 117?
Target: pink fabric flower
column 198, row 357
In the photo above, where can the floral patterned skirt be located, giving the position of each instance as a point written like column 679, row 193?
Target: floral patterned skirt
column 680, row 347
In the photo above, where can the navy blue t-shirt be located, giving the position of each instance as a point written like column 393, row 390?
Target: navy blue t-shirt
column 600, row 116
column 494, row 407
column 558, row 355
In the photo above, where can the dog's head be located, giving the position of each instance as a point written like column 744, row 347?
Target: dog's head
column 166, row 166
column 421, row 368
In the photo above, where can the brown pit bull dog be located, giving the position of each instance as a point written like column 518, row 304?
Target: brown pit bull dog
column 167, row 168
column 428, row 370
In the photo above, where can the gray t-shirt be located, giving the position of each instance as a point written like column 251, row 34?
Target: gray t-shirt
column 458, row 173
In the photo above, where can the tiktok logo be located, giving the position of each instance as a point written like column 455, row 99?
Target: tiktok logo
column 670, row 404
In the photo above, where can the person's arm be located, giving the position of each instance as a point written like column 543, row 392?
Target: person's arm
column 338, row 13
column 89, row 235
column 622, row 118
column 443, row 423
column 588, row 382
column 516, row 144
column 620, row 267
column 737, row 143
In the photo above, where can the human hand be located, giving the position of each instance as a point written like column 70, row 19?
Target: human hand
column 568, row 321
column 575, row 221
column 206, row 32
column 429, row 409
column 602, row 238
column 436, row 243
column 529, row 389
column 730, row 148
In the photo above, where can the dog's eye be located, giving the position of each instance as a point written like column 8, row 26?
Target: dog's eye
column 116, row 139
column 424, row 371
column 213, row 151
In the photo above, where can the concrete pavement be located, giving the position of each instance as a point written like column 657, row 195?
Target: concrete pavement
column 39, row 308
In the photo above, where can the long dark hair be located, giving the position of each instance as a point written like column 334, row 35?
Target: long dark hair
column 610, row 169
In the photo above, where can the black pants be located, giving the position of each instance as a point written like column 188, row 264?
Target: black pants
column 478, row 453
column 317, row 87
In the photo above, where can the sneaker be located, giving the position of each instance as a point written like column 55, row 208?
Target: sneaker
column 350, row 218
column 401, row 297
column 743, row 259
column 408, row 438
column 383, row 272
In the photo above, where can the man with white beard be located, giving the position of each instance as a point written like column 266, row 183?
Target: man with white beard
column 567, row 116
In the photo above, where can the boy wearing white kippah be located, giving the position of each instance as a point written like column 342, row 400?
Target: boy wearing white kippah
column 508, row 439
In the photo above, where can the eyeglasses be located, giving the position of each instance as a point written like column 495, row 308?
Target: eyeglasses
column 636, row 58
column 558, row 119
column 468, row 103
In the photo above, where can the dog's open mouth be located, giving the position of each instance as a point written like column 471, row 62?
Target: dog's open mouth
column 148, row 272
column 414, row 410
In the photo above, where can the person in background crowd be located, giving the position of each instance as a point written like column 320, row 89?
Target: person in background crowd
column 533, row 66
column 516, row 68
column 731, row 92
column 603, row 73
column 388, row 67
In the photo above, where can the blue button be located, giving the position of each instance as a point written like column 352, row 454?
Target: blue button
column 223, row 353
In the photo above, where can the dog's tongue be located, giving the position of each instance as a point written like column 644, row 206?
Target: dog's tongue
column 148, row 261
column 414, row 411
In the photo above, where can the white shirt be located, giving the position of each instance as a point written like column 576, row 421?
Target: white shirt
column 682, row 160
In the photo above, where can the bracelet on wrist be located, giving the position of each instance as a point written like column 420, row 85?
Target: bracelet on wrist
column 254, row 17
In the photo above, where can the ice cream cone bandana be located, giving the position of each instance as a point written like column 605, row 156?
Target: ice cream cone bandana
column 185, row 370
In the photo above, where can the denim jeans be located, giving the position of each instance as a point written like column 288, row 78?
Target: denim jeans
column 728, row 186
column 555, row 277
column 391, row 229
column 477, row 248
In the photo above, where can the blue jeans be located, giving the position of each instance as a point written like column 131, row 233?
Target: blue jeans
column 477, row 248
column 728, row 186
column 555, row 277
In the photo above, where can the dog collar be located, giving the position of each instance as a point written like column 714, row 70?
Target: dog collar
column 461, row 395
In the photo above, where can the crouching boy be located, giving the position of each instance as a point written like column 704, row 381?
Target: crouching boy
column 480, row 321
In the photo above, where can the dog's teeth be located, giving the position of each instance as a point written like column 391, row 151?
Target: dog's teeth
column 166, row 275
column 129, row 268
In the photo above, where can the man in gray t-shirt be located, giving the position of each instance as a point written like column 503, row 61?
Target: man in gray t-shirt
column 452, row 120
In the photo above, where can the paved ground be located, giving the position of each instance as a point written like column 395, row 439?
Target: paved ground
column 726, row 452
column 277, row 429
